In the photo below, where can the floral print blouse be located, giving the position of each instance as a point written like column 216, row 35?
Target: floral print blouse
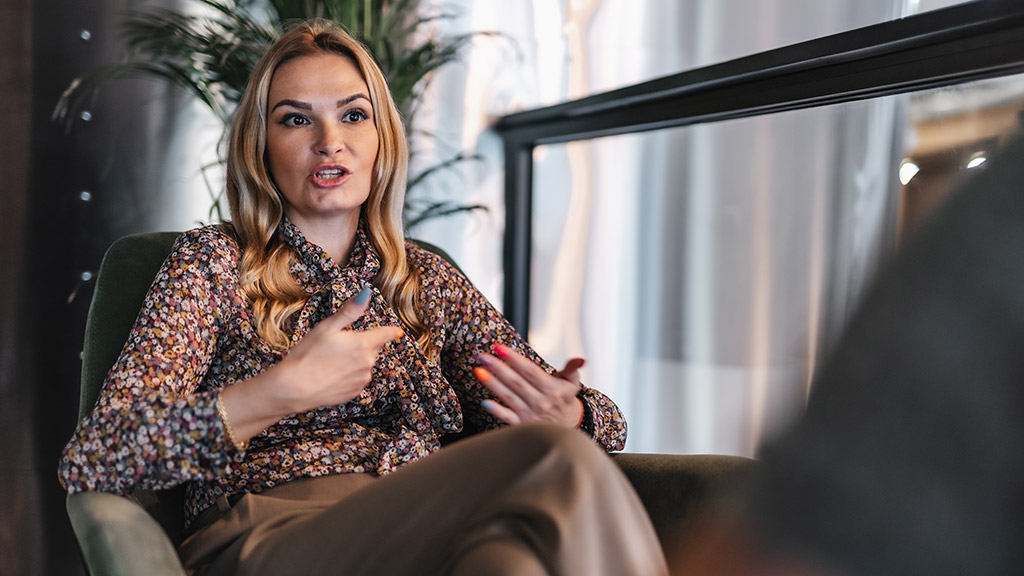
column 156, row 423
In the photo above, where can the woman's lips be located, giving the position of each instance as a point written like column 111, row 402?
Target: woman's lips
column 329, row 176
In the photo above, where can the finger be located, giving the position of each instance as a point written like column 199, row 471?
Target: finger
column 539, row 380
column 571, row 371
column 500, row 389
column 351, row 310
column 519, row 363
column 381, row 335
column 501, row 412
column 513, row 385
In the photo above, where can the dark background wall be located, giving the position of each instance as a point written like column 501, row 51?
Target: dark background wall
column 19, row 530
column 67, row 193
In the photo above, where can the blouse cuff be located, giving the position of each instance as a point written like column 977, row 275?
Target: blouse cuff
column 587, row 424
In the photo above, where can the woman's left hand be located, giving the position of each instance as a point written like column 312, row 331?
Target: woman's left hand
column 527, row 392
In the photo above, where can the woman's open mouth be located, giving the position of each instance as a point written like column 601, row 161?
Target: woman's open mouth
column 327, row 176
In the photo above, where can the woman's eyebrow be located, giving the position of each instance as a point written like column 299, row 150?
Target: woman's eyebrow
column 293, row 104
column 352, row 98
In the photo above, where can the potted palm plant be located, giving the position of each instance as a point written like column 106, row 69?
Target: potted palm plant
column 210, row 50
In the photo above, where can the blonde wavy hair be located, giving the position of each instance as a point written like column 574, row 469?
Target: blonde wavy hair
column 257, row 206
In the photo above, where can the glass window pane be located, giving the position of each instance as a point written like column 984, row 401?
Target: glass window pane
column 703, row 271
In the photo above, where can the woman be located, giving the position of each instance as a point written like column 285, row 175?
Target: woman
column 295, row 366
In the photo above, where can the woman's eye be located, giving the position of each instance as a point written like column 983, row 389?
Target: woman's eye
column 294, row 120
column 354, row 116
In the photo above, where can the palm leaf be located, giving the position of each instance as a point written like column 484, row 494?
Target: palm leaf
column 438, row 210
column 448, row 164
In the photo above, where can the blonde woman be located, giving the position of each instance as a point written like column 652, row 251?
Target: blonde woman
column 299, row 368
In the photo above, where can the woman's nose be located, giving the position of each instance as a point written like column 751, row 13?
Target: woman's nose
column 331, row 140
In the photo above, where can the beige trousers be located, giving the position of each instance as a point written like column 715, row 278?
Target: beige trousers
column 531, row 499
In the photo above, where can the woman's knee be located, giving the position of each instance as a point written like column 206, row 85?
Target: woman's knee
column 499, row 556
column 566, row 444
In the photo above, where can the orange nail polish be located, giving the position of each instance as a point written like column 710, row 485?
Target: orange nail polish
column 401, row 334
column 482, row 375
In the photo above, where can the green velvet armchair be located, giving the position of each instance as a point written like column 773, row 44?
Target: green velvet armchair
column 137, row 534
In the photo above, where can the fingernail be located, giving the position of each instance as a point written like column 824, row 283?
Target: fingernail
column 363, row 295
column 483, row 359
column 400, row 334
column 500, row 351
column 487, row 405
column 482, row 375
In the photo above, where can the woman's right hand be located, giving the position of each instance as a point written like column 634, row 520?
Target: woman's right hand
column 330, row 366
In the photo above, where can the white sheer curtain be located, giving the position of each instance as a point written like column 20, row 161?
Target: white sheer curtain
column 702, row 270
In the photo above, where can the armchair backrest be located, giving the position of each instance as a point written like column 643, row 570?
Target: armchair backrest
column 124, row 277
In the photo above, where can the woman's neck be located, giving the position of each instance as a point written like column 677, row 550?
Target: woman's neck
column 335, row 236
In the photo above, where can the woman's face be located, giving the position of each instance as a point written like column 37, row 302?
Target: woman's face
column 321, row 138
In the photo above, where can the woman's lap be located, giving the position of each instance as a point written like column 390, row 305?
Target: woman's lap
column 547, row 487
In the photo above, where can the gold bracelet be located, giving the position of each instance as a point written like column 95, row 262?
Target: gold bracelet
column 227, row 424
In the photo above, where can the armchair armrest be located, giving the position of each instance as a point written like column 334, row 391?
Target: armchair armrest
column 118, row 537
column 674, row 488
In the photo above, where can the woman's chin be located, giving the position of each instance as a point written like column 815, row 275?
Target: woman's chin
column 325, row 212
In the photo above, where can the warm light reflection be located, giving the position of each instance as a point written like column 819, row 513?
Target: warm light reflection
column 907, row 172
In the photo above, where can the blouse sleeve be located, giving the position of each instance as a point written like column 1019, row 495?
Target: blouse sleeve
column 471, row 325
column 151, row 428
